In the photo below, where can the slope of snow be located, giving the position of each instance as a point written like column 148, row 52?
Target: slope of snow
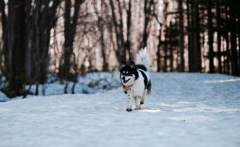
column 200, row 110
column 89, row 83
column 3, row 97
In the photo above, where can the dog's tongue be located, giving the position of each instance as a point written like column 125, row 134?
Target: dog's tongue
column 125, row 81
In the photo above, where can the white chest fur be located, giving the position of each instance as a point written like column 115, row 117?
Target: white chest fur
column 137, row 89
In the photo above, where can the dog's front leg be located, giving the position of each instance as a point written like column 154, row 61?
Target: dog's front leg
column 129, row 101
column 137, row 102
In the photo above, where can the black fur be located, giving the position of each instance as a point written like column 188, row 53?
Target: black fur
column 145, row 78
column 133, row 69
column 129, row 110
column 141, row 67
column 149, row 86
column 147, row 82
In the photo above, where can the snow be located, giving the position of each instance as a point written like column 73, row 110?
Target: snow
column 3, row 97
column 89, row 83
column 184, row 109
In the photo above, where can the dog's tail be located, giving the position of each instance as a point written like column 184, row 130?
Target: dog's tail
column 143, row 58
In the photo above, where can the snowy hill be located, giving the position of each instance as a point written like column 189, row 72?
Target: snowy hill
column 183, row 110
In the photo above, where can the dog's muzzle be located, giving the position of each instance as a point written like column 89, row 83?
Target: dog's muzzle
column 124, row 80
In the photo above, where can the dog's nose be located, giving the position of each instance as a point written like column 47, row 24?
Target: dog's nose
column 123, row 78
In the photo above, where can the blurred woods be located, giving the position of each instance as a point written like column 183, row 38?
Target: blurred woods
column 71, row 37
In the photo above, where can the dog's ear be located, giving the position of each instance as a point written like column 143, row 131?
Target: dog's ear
column 123, row 65
column 132, row 65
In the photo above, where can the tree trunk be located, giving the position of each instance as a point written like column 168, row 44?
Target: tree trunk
column 190, row 39
column 234, row 58
column 70, row 25
column 147, row 11
column 219, row 37
column 101, row 28
column 16, row 48
column 3, row 51
column 195, row 49
column 159, row 50
column 129, row 23
column 210, row 36
column 121, row 50
column 181, row 35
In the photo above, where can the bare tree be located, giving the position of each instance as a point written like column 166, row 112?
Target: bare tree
column 148, row 6
column 181, row 35
column 194, row 37
column 234, row 54
column 16, row 48
column 118, row 26
column 70, row 24
column 4, row 41
column 210, row 36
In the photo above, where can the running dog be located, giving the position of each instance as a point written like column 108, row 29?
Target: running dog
column 136, row 79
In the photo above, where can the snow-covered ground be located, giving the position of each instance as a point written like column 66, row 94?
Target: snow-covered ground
column 183, row 110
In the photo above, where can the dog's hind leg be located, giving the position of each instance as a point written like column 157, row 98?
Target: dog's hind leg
column 145, row 93
column 142, row 99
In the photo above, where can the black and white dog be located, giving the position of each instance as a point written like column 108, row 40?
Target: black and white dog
column 136, row 79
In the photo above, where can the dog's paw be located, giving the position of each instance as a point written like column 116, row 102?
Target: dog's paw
column 129, row 110
column 138, row 108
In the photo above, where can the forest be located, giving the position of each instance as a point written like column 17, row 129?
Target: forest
column 68, row 38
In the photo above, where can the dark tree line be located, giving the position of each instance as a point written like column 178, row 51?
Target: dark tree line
column 206, row 30
column 26, row 36
column 72, row 37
